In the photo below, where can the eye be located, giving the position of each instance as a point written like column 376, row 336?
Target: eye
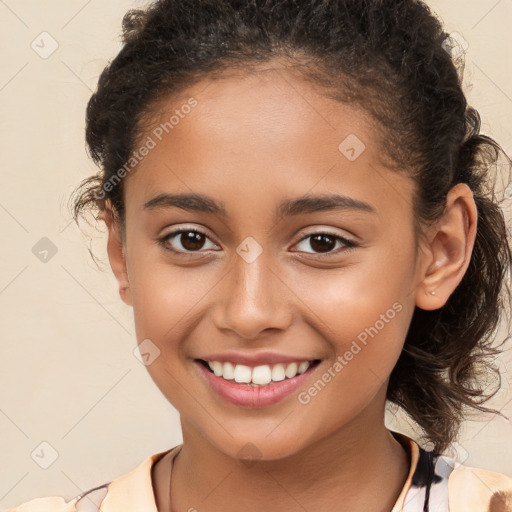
column 325, row 242
column 185, row 241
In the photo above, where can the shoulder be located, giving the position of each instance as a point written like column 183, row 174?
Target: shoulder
column 93, row 502
column 47, row 504
column 133, row 490
column 439, row 482
column 472, row 488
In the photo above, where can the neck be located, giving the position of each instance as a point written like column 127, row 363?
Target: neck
column 359, row 467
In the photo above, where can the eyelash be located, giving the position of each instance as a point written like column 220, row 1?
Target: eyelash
column 349, row 244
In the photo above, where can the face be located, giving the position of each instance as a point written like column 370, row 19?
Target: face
column 264, row 275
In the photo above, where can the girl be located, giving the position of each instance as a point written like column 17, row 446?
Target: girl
column 300, row 211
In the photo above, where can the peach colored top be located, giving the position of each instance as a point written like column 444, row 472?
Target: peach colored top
column 436, row 483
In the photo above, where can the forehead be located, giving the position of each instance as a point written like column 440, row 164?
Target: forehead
column 263, row 131
column 269, row 106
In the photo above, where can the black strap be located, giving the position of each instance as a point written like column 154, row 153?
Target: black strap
column 430, row 478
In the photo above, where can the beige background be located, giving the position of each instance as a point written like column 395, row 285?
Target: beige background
column 69, row 376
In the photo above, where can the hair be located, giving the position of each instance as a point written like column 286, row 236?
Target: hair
column 390, row 58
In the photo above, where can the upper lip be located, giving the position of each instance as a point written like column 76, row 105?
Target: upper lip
column 255, row 359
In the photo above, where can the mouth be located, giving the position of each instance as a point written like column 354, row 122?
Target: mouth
column 255, row 386
column 266, row 375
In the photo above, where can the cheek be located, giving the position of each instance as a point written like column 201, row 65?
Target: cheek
column 365, row 332
column 165, row 297
column 166, row 300
column 366, row 297
column 362, row 312
column 361, row 309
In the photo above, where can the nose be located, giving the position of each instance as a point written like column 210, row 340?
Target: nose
column 252, row 299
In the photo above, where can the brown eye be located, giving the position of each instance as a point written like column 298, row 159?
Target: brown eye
column 185, row 241
column 322, row 243
column 191, row 240
column 325, row 243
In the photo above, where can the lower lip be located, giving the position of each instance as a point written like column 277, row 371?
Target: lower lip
column 249, row 396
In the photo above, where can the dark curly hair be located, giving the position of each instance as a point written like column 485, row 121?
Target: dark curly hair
column 391, row 58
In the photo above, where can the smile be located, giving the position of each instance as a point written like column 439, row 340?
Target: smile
column 262, row 375
column 254, row 386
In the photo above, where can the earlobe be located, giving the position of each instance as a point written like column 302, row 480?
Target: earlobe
column 116, row 254
column 448, row 253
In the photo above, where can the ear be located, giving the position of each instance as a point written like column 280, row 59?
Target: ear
column 448, row 251
column 116, row 254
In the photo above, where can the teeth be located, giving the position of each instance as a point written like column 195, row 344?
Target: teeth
column 303, row 367
column 259, row 375
column 228, row 371
column 278, row 372
column 291, row 370
column 242, row 374
column 216, row 367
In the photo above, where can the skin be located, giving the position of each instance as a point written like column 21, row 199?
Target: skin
column 252, row 141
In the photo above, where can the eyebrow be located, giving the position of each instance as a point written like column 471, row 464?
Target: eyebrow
column 288, row 207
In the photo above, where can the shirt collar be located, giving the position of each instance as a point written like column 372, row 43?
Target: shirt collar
column 133, row 491
column 413, row 450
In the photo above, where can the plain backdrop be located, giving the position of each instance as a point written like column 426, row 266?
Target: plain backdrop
column 73, row 396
